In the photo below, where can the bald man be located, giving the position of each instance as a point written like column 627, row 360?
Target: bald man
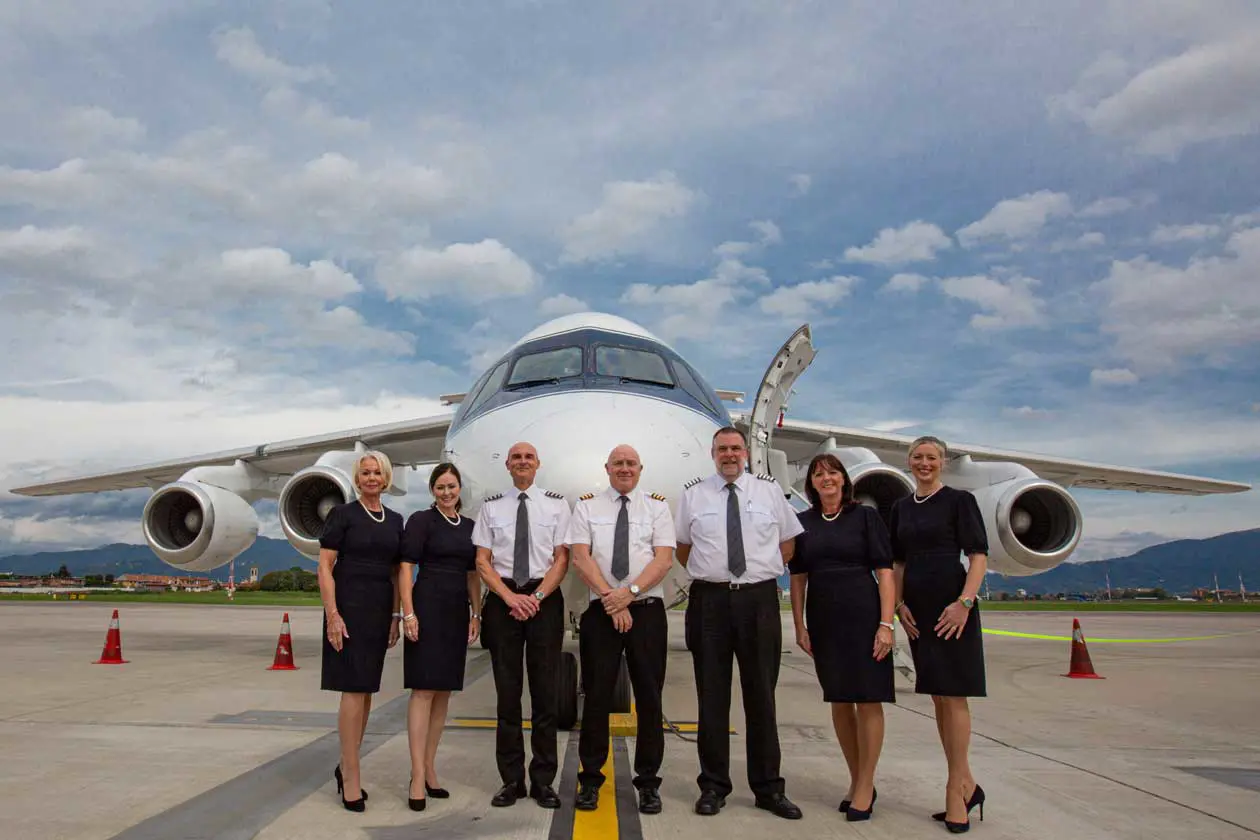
column 621, row 542
column 522, row 557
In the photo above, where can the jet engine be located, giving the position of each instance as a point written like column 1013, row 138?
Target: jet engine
column 196, row 526
column 1033, row 525
column 307, row 499
column 879, row 486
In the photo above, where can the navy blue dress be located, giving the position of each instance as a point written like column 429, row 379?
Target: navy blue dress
column 367, row 562
column 839, row 558
column 444, row 554
column 931, row 537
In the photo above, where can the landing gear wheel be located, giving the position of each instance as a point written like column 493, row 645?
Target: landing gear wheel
column 567, row 692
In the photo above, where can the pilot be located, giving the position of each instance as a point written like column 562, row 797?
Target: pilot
column 735, row 537
column 522, row 557
column 621, row 542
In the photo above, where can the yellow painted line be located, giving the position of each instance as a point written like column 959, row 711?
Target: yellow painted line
column 1093, row 639
column 613, row 720
column 602, row 822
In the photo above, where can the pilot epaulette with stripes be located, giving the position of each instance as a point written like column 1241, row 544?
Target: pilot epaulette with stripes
column 586, row 497
column 551, row 494
column 693, row 482
column 493, row 498
column 656, row 496
column 765, row 476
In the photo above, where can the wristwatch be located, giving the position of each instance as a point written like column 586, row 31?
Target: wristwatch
column 538, row 593
column 634, row 590
column 967, row 602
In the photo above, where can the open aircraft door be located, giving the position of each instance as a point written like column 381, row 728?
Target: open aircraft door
column 788, row 364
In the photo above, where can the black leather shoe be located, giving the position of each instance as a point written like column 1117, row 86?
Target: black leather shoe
column 437, row 793
column 709, row 803
column 508, row 794
column 545, row 796
column 649, row 801
column 780, row 806
column 587, row 798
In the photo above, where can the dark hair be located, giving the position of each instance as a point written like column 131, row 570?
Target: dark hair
column 441, row 470
column 731, row 430
column 831, row 462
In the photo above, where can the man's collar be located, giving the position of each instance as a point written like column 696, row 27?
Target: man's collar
column 612, row 493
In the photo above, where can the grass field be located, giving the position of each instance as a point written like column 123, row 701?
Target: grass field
column 261, row 599
column 1114, row 606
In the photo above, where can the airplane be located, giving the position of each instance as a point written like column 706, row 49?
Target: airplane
column 575, row 387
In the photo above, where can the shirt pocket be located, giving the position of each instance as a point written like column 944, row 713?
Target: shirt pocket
column 710, row 524
column 762, row 520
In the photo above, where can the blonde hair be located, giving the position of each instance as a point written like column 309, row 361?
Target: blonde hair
column 387, row 469
column 935, row 441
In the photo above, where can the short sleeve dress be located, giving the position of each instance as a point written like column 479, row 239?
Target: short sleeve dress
column 367, row 561
column 931, row 536
column 838, row 558
column 444, row 554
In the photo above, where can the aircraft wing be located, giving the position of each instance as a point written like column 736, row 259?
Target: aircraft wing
column 408, row 442
column 799, row 440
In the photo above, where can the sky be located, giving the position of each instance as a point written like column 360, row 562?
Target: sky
column 1031, row 225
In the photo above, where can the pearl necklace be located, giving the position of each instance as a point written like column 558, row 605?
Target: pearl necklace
column 370, row 514
column 919, row 501
column 833, row 516
column 455, row 522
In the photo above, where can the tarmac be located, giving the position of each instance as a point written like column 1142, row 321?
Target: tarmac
column 195, row 738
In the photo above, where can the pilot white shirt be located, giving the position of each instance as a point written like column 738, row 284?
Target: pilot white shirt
column 766, row 519
column 496, row 529
column 594, row 523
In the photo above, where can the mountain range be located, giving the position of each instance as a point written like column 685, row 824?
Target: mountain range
column 1178, row 566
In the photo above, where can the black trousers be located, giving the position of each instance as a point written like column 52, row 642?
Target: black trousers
column 645, row 646
column 721, row 624
column 538, row 640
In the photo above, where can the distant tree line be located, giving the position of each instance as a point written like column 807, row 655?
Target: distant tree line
column 295, row 579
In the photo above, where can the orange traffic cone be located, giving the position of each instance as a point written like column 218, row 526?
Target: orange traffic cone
column 1081, row 668
column 112, row 652
column 284, row 649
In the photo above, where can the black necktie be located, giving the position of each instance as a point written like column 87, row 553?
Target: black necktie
column 734, row 534
column 520, row 545
column 621, row 543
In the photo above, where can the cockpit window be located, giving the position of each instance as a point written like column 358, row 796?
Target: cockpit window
column 637, row 365
column 546, row 366
column 489, row 388
column 691, row 384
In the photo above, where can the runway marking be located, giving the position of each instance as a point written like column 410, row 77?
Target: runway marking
column 491, row 723
column 243, row 806
column 562, row 822
column 1092, row 639
column 602, row 822
column 627, row 799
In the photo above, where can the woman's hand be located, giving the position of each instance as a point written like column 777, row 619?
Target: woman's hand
column 907, row 620
column 952, row 621
column 337, row 631
column 883, row 643
column 411, row 627
column 474, row 629
column 393, row 631
column 802, row 641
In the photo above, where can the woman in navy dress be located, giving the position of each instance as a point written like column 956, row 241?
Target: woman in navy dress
column 937, row 605
column 440, row 621
column 844, row 619
column 358, row 565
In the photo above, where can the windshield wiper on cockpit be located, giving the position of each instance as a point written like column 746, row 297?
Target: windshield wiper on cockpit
column 530, row 383
column 639, row 381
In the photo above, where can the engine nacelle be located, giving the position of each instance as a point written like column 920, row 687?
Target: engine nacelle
column 197, row 527
column 879, row 486
column 1033, row 525
column 306, row 501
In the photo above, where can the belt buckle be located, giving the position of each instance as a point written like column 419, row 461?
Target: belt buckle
column 733, row 585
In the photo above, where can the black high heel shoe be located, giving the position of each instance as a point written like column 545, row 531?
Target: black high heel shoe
column 977, row 798
column 852, row 814
column 341, row 784
column 436, row 793
column 415, row 804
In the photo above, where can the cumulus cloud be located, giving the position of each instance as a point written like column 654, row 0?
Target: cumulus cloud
column 561, row 304
column 1204, row 93
column 905, row 283
column 94, row 126
column 801, row 182
column 1027, row 412
column 915, row 242
column 240, row 50
column 1004, row 304
column 272, row 270
column 1102, row 207
column 1112, row 376
column 477, row 271
column 805, row 298
column 1165, row 234
column 693, row 308
column 344, row 326
column 1016, row 218
column 1160, row 314
column 629, row 212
